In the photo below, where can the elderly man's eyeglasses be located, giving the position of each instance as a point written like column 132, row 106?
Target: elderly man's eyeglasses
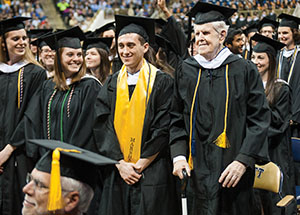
column 37, row 183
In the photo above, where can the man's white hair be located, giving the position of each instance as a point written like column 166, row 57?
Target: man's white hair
column 86, row 193
column 220, row 26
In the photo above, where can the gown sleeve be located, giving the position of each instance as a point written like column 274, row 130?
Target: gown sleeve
column 30, row 123
column 178, row 135
column 82, row 133
column 105, row 137
column 159, row 125
column 255, row 143
column 280, row 111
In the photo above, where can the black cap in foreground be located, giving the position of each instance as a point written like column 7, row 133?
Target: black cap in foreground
column 206, row 12
column 145, row 27
column 289, row 21
column 266, row 44
column 68, row 161
column 78, row 163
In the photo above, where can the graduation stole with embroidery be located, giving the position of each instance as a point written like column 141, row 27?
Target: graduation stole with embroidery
column 222, row 140
column 130, row 113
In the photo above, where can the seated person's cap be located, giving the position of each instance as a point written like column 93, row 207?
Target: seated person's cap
column 288, row 21
column 68, row 38
column 266, row 44
column 142, row 26
column 13, row 24
column 267, row 22
column 106, row 27
column 96, row 42
column 206, row 12
column 69, row 161
column 35, row 33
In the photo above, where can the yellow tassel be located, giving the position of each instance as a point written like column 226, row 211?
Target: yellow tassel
column 222, row 141
column 55, row 201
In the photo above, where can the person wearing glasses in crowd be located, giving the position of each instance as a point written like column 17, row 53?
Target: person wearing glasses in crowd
column 21, row 78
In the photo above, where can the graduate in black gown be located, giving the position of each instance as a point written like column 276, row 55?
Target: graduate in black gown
column 219, row 121
column 132, row 127
column 21, row 79
column 67, row 100
column 108, row 31
column 289, row 64
column 278, row 94
column 96, row 57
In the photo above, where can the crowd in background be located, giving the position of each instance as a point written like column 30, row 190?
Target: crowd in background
column 31, row 8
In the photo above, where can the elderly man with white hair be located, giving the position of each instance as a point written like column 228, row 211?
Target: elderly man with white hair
column 219, row 120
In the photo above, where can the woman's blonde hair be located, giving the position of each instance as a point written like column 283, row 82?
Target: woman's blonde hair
column 59, row 75
column 28, row 56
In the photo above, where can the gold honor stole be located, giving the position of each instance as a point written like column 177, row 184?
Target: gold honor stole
column 130, row 113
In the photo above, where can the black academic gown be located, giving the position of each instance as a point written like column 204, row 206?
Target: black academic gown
column 71, row 114
column 174, row 33
column 295, row 87
column 248, row 121
column 20, row 162
column 155, row 192
column 280, row 151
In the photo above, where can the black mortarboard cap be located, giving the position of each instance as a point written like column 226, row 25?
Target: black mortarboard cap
column 96, row 42
column 35, row 33
column 250, row 28
column 164, row 43
column 68, row 38
column 106, row 27
column 289, row 21
column 206, row 12
column 143, row 26
column 13, row 24
column 266, row 44
column 89, row 34
column 160, row 22
column 267, row 22
column 80, row 165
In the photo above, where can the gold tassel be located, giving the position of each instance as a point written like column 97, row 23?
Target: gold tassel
column 222, row 141
column 55, row 201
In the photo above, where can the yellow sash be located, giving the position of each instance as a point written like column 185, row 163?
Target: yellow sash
column 130, row 114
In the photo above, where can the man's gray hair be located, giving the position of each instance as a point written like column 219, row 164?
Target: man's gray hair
column 220, row 26
column 86, row 193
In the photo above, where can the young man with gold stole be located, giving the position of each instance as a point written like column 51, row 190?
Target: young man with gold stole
column 132, row 127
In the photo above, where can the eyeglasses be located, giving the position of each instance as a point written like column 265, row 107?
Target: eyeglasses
column 48, row 51
column 37, row 184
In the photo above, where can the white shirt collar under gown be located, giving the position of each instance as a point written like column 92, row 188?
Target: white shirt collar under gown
column 5, row 68
column 216, row 62
column 132, row 78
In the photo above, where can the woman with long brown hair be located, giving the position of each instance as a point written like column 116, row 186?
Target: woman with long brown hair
column 96, row 57
column 21, row 78
column 278, row 94
column 68, row 99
